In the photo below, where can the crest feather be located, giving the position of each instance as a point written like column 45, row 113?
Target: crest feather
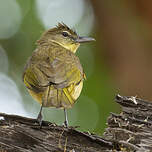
column 62, row 27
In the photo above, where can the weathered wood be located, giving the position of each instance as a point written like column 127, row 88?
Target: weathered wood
column 131, row 130
column 24, row 134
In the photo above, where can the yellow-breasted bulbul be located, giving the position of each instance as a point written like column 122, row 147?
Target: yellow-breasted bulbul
column 53, row 74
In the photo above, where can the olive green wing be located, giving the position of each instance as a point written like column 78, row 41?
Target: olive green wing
column 59, row 71
column 59, row 74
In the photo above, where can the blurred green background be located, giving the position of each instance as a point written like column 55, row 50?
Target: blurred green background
column 118, row 62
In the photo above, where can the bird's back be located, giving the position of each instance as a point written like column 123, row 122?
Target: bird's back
column 54, row 75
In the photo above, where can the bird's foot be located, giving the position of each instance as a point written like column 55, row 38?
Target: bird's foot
column 39, row 119
column 66, row 124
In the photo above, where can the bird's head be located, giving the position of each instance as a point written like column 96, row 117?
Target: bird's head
column 64, row 36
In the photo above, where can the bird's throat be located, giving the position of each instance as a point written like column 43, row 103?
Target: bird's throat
column 72, row 47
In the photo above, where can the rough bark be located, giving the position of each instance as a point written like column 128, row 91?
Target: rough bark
column 131, row 130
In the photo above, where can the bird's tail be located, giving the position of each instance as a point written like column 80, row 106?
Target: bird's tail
column 59, row 98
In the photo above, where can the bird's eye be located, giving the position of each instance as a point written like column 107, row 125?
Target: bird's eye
column 65, row 34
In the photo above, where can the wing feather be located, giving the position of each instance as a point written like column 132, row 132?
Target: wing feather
column 64, row 70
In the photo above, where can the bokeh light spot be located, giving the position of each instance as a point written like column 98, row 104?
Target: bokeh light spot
column 87, row 21
column 10, row 17
column 54, row 11
column 10, row 97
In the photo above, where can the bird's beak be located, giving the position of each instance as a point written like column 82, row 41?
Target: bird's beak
column 84, row 39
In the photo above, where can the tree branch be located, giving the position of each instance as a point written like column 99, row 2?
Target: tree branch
column 128, row 131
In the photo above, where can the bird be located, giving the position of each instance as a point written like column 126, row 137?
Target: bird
column 53, row 74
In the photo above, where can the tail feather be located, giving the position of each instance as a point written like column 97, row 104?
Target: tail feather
column 59, row 98
column 68, row 96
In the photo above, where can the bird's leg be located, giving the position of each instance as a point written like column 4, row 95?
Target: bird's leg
column 66, row 118
column 40, row 117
